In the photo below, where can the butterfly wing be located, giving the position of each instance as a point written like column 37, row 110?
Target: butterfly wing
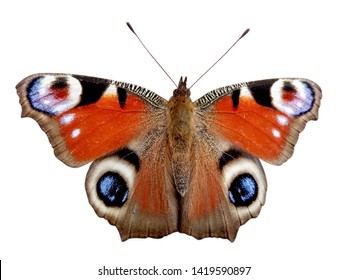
column 227, row 188
column 86, row 117
column 133, row 190
column 122, row 126
column 236, row 125
column 264, row 117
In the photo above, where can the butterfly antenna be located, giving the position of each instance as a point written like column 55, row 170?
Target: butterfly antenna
column 243, row 34
column 133, row 31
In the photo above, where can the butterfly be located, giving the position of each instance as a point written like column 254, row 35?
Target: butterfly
column 164, row 166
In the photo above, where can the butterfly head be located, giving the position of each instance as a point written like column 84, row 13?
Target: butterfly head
column 182, row 89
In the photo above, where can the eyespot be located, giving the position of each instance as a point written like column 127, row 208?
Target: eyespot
column 110, row 183
column 54, row 94
column 293, row 97
column 243, row 190
column 112, row 189
column 244, row 182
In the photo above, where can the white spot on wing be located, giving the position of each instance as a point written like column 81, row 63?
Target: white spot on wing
column 67, row 119
column 75, row 132
column 282, row 120
column 276, row 133
column 111, row 90
column 244, row 91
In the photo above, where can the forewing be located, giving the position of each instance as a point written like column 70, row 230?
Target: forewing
column 85, row 117
column 263, row 118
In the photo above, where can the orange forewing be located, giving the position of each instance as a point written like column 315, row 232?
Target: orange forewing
column 252, row 127
column 101, row 127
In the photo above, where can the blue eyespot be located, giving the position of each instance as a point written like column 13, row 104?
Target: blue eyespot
column 54, row 94
column 112, row 189
column 243, row 190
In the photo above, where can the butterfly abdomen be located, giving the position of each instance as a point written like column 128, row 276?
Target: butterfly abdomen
column 180, row 133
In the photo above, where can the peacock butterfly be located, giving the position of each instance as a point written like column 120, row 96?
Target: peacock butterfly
column 165, row 166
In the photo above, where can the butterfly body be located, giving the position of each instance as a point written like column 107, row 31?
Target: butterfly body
column 165, row 166
column 181, row 134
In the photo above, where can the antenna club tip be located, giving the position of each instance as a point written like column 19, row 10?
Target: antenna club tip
column 245, row 32
column 130, row 27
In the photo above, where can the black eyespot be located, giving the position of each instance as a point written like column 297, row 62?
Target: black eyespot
column 60, row 82
column 287, row 86
column 243, row 190
column 112, row 189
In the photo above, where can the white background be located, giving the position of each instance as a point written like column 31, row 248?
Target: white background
column 49, row 231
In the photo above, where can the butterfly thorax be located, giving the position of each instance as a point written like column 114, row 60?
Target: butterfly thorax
column 180, row 133
column 180, row 118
